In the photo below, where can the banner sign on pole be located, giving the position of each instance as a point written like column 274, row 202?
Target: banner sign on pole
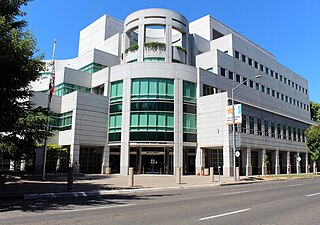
column 237, row 114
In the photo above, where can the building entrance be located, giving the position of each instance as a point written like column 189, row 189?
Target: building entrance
column 146, row 160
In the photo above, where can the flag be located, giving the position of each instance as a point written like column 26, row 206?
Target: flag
column 51, row 83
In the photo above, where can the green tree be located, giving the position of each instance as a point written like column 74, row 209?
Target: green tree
column 29, row 130
column 313, row 142
column 57, row 153
column 315, row 111
column 18, row 63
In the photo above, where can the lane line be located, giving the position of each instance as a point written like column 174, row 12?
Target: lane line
column 224, row 214
column 234, row 193
column 100, row 207
column 313, row 194
column 295, row 185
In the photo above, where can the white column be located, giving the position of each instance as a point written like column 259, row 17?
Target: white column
column 105, row 160
column 125, row 132
column 298, row 163
column 141, row 39
column 200, row 160
column 288, row 163
column 264, row 166
column 11, row 165
column 315, row 168
column 178, row 124
column 168, row 33
column 74, row 157
column 227, row 161
column 248, row 165
column 277, row 164
column 307, row 163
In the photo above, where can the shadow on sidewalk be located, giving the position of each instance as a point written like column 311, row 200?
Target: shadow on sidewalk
column 15, row 188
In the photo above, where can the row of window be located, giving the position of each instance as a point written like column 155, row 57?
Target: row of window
column 92, row 68
column 66, row 88
column 257, row 126
column 270, row 72
column 153, row 88
column 259, row 87
column 61, row 121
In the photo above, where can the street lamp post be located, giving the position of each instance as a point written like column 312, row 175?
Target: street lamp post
column 233, row 124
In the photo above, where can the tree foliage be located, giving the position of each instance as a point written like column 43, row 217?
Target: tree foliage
column 18, row 63
column 313, row 142
column 29, row 130
column 315, row 111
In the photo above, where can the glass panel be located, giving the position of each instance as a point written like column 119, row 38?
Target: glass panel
column 135, row 87
column 119, row 88
column 143, row 119
column 161, row 120
column 170, row 120
column 134, row 119
column 153, row 87
column 152, row 120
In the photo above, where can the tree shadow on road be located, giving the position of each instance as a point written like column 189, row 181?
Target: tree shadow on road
column 71, row 203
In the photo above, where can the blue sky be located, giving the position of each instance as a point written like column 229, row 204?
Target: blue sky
column 289, row 29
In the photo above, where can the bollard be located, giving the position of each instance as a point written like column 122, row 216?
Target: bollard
column 212, row 174
column 238, row 173
column 130, row 177
column 178, row 175
column 70, row 178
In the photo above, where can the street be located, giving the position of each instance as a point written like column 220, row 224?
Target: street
column 283, row 202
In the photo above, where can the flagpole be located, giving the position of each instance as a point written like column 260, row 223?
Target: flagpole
column 51, row 88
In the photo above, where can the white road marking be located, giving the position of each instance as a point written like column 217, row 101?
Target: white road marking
column 224, row 214
column 98, row 207
column 234, row 193
column 294, row 185
column 313, row 194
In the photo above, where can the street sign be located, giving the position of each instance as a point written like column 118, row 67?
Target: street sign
column 237, row 114
column 237, row 154
column 298, row 158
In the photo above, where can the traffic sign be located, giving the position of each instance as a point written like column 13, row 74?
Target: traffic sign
column 298, row 158
column 237, row 153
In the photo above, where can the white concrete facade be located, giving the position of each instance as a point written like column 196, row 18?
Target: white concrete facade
column 151, row 93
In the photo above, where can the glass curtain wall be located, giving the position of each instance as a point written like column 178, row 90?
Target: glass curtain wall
column 115, row 113
column 152, row 117
column 189, row 112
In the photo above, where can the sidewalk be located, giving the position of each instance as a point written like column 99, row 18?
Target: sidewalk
column 103, row 184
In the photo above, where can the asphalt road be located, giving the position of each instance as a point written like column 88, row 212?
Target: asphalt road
column 283, row 202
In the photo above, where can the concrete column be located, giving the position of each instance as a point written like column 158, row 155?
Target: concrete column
column 248, row 162
column 200, row 160
column 277, row 164
column 125, row 131
column 178, row 124
column 315, row 169
column 23, row 165
column 105, row 169
column 307, row 163
column 168, row 34
column 74, row 157
column 288, row 163
column 227, row 161
column 264, row 166
column 298, row 163
column 11, row 165
column 141, row 39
